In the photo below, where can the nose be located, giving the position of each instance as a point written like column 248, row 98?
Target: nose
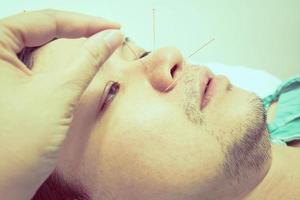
column 164, row 67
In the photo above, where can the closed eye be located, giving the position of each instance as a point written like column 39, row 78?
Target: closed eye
column 145, row 54
column 134, row 50
column 110, row 91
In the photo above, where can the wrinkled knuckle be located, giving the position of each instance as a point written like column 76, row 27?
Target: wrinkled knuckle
column 91, row 55
column 4, row 27
column 3, row 46
column 96, row 57
column 105, row 49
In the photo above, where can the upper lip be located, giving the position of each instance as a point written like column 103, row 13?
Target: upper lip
column 205, row 77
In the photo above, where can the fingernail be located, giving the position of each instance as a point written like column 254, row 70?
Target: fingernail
column 113, row 38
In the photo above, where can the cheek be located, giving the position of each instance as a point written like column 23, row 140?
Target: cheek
column 151, row 150
column 233, row 115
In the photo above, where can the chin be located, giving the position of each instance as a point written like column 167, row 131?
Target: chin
column 251, row 150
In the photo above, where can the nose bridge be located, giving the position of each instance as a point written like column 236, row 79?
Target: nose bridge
column 163, row 66
column 170, row 56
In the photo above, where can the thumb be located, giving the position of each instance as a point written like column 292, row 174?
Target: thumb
column 91, row 56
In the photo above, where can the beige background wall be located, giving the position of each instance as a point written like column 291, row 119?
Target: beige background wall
column 259, row 34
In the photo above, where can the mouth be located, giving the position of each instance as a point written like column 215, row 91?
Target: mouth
column 206, row 88
column 207, row 94
column 212, row 86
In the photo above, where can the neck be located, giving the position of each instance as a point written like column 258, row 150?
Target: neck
column 283, row 178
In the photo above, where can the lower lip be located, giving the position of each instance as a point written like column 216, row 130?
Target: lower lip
column 210, row 91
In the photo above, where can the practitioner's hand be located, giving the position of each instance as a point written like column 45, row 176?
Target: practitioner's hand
column 36, row 108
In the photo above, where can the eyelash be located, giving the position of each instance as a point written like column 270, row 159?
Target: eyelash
column 146, row 53
column 126, row 43
column 110, row 91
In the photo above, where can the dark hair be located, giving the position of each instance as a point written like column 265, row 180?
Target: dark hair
column 56, row 188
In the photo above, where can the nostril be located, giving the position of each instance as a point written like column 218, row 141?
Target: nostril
column 174, row 70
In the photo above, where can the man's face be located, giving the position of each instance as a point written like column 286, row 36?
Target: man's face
column 138, row 133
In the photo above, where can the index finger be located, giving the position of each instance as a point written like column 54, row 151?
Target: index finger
column 35, row 28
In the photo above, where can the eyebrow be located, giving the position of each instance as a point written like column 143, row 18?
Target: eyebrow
column 145, row 54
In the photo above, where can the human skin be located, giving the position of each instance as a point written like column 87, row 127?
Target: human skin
column 29, row 141
column 149, row 143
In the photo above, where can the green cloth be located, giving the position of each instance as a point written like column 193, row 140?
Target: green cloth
column 286, row 125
